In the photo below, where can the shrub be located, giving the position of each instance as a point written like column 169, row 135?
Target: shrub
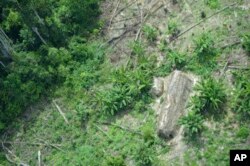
column 83, row 77
column 57, row 21
column 85, row 62
column 25, row 84
column 204, row 47
column 150, row 33
column 243, row 132
column 34, row 74
column 114, row 99
column 163, row 46
column 241, row 97
column 173, row 27
column 128, row 86
column 213, row 4
column 177, row 60
column 137, row 48
column 211, row 96
column 163, row 70
column 140, row 106
column 82, row 51
column 13, row 20
column 204, row 69
column 145, row 155
column 74, row 12
column 148, row 133
column 193, row 123
column 115, row 161
column 174, row 60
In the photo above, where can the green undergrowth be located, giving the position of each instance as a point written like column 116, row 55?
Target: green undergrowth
column 201, row 61
column 150, row 33
column 95, row 98
column 208, row 101
column 108, row 107
column 241, row 95
column 98, row 143
column 213, row 147
column 210, row 135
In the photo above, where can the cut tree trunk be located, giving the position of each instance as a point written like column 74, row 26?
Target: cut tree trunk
column 177, row 90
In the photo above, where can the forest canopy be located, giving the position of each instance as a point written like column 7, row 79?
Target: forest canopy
column 41, row 41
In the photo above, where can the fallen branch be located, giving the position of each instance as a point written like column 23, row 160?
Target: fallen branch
column 203, row 20
column 142, row 21
column 15, row 160
column 119, row 11
column 39, row 157
column 9, row 159
column 121, row 35
column 239, row 67
column 113, row 15
column 145, row 17
column 60, row 111
column 34, row 144
column 39, row 35
column 231, row 44
column 1, row 63
column 56, row 146
column 125, row 19
column 99, row 128
column 224, row 68
column 121, row 49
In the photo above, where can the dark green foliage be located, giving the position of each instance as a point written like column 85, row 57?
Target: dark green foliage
column 46, row 55
column 13, row 19
column 203, row 15
column 203, row 69
column 52, row 21
column 71, row 18
column 210, row 96
column 3, row 160
column 26, row 81
column 193, row 124
column 31, row 75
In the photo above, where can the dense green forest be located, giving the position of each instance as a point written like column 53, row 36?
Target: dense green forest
column 65, row 99
column 42, row 42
